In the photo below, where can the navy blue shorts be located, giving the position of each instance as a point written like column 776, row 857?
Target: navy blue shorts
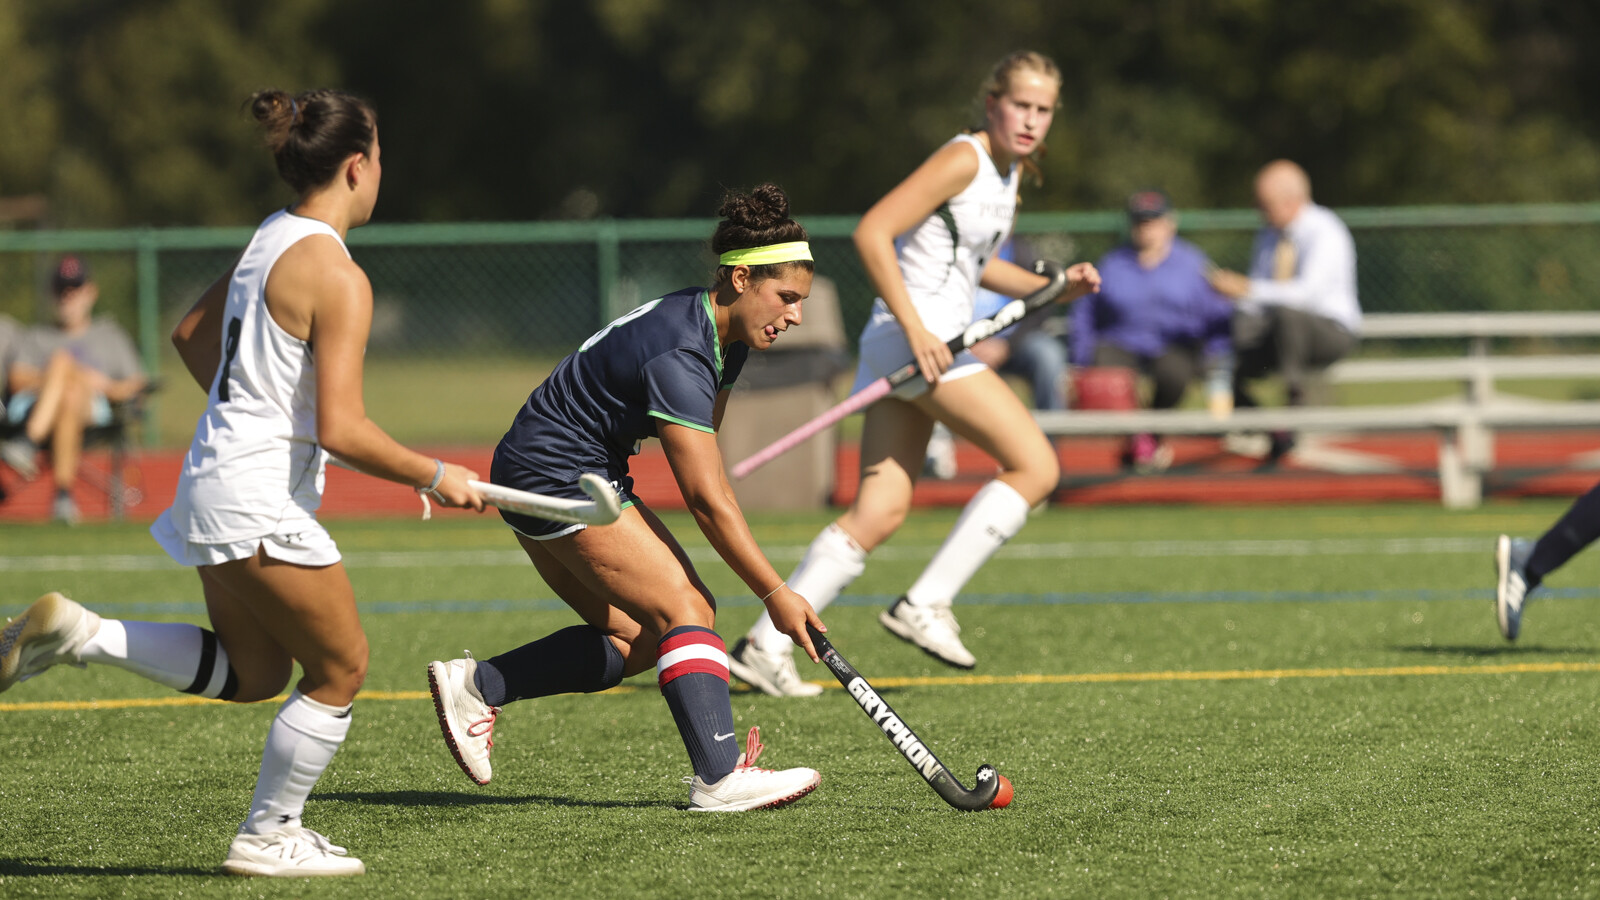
column 506, row 472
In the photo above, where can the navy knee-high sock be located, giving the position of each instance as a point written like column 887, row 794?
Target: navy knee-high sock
column 692, row 667
column 576, row 660
column 1575, row 530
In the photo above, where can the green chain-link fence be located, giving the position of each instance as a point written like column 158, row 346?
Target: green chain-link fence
column 539, row 289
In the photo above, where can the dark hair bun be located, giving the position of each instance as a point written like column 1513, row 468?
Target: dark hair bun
column 274, row 110
column 765, row 206
column 312, row 133
column 755, row 219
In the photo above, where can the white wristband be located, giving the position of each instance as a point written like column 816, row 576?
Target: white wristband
column 438, row 476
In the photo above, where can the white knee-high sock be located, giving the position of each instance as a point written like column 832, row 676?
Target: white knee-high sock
column 832, row 561
column 187, row 658
column 995, row 514
column 300, row 744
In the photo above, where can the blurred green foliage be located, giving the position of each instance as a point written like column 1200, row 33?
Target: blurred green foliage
column 131, row 113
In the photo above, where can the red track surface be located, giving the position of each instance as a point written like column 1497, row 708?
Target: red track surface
column 1529, row 464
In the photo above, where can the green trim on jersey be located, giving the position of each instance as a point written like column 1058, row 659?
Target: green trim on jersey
column 949, row 219
column 677, row 421
column 716, row 339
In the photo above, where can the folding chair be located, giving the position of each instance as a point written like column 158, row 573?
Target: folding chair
column 121, row 437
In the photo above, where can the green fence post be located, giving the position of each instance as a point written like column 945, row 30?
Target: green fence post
column 147, row 262
column 608, row 254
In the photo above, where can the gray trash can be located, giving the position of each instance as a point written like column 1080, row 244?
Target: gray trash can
column 779, row 391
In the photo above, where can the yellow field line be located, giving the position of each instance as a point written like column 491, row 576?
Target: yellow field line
column 940, row 681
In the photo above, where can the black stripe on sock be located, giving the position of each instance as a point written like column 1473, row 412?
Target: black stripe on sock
column 208, row 662
column 230, row 686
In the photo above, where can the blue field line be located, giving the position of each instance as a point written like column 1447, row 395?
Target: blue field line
column 1016, row 550
column 1086, row 598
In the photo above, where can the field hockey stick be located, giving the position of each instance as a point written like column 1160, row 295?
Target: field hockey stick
column 602, row 508
column 918, row 754
column 1008, row 315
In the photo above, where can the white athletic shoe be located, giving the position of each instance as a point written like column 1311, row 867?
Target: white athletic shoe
column 21, row 455
column 770, row 673
column 50, row 632
column 294, row 852
column 467, row 721
column 933, row 628
column 748, row 787
column 940, row 458
column 1511, row 583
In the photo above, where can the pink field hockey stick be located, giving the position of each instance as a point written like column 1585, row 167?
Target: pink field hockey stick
column 1008, row 315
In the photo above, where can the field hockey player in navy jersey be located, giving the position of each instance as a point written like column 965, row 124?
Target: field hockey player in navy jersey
column 663, row 371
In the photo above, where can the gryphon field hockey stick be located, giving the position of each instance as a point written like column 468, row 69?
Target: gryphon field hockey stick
column 1008, row 315
column 602, row 508
column 904, row 739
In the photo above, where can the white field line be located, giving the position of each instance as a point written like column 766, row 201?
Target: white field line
column 430, row 559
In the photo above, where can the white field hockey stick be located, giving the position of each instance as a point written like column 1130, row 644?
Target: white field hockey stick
column 602, row 508
column 1009, row 315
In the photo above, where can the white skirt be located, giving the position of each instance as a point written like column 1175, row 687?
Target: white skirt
column 884, row 348
column 308, row 545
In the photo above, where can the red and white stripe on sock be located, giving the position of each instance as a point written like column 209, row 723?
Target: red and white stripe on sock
column 688, row 650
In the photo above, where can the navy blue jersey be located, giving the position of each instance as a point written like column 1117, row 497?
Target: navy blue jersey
column 660, row 362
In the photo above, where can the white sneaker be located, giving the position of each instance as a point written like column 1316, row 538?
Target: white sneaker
column 1511, row 583
column 20, row 454
column 933, row 628
column 65, row 510
column 50, row 632
column 323, row 843
column 940, row 458
column 467, row 721
column 747, row 787
column 770, row 673
column 295, row 852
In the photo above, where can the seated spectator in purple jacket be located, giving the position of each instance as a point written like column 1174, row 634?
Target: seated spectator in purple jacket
column 1157, row 313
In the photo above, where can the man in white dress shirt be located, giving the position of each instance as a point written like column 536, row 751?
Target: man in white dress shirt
column 1297, row 309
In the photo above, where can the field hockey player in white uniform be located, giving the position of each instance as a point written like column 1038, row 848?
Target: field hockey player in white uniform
column 278, row 342
column 928, row 245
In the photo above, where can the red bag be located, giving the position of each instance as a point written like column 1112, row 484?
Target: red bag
column 1105, row 387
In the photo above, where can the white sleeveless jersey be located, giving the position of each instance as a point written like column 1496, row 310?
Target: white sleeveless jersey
column 942, row 257
column 254, row 468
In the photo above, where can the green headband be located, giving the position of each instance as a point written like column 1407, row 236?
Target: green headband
column 770, row 255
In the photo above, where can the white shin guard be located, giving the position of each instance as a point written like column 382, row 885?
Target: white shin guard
column 300, row 744
column 832, row 561
column 993, row 516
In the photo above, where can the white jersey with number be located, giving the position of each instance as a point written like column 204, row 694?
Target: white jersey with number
column 254, row 469
column 942, row 257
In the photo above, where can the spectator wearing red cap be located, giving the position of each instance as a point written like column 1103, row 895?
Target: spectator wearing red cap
column 63, row 380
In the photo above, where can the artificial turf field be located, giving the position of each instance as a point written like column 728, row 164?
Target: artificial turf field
column 1288, row 702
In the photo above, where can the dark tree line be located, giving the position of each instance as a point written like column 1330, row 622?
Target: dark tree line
column 129, row 112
